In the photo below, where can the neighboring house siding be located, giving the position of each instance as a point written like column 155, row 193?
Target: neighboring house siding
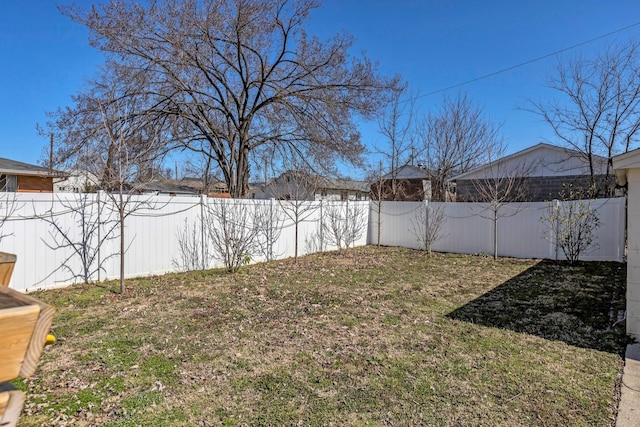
column 407, row 190
column 542, row 188
column 35, row 184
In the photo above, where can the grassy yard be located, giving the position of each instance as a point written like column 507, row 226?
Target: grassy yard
column 374, row 337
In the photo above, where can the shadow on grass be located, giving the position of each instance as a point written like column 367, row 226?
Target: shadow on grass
column 581, row 305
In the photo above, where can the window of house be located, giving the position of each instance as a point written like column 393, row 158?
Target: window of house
column 8, row 183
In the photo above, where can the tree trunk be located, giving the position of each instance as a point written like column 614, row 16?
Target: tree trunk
column 241, row 188
column 121, row 207
column 495, row 233
column 295, row 255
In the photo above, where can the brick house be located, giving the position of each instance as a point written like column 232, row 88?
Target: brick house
column 25, row 178
column 408, row 183
column 297, row 185
column 545, row 172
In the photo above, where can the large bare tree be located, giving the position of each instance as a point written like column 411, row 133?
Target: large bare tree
column 597, row 111
column 455, row 139
column 240, row 75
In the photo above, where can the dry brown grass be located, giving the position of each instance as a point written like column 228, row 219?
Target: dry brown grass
column 377, row 336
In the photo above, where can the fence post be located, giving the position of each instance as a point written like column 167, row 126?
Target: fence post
column 321, row 228
column 99, row 233
column 270, row 242
column 556, row 206
column 346, row 223
column 426, row 223
column 202, row 239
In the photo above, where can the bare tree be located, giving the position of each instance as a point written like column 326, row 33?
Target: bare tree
column 193, row 250
column 238, row 75
column 269, row 221
column 200, row 165
column 396, row 126
column 85, row 136
column 85, row 240
column 343, row 224
column 295, row 191
column 571, row 223
column 377, row 197
column 498, row 184
column 454, row 140
column 428, row 225
column 8, row 207
column 571, row 226
column 232, row 232
column 107, row 134
column 598, row 110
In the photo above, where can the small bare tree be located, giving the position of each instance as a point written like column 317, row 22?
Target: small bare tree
column 428, row 225
column 8, row 207
column 396, row 127
column 130, row 145
column 377, row 197
column 85, row 240
column 193, row 250
column 295, row 191
column 498, row 185
column 571, row 226
column 232, row 232
column 109, row 132
column 269, row 221
column 343, row 224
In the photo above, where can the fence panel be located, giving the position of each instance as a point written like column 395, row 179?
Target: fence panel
column 468, row 228
column 156, row 226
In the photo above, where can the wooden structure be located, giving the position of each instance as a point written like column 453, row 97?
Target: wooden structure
column 7, row 261
column 11, row 401
column 25, row 323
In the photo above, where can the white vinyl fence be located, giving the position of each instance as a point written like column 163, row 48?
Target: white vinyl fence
column 468, row 228
column 44, row 231
column 165, row 234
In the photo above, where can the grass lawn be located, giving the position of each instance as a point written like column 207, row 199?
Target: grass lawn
column 379, row 336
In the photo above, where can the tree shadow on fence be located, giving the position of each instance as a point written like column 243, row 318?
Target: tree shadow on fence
column 581, row 305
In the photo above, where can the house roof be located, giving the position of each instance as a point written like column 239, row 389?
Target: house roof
column 322, row 182
column 628, row 160
column 408, row 172
column 624, row 162
column 539, row 150
column 166, row 186
column 343, row 184
column 14, row 167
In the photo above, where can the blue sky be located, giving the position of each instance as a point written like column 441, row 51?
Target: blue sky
column 432, row 44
